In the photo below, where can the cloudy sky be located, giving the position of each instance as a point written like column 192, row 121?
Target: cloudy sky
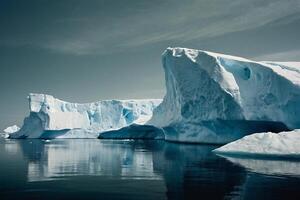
column 87, row 50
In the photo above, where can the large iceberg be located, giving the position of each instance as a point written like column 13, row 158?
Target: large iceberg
column 210, row 98
column 216, row 98
column 284, row 144
column 53, row 118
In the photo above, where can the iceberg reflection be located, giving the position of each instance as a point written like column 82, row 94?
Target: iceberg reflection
column 182, row 169
column 62, row 158
column 136, row 169
column 268, row 166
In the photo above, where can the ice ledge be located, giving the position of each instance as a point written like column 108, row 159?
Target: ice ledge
column 283, row 144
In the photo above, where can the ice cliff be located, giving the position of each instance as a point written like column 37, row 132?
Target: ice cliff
column 216, row 98
column 284, row 144
column 52, row 118
column 210, row 98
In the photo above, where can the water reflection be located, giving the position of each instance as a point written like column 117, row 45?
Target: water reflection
column 184, row 169
column 61, row 158
column 136, row 169
column 194, row 172
column 268, row 166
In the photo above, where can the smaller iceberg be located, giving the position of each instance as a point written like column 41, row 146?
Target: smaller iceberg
column 268, row 144
column 9, row 130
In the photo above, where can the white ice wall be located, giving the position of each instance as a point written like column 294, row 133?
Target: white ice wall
column 216, row 98
column 51, row 117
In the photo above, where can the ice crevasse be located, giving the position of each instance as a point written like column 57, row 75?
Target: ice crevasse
column 217, row 98
column 53, row 118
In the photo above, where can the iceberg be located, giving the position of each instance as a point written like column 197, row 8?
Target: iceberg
column 210, row 98
column 11, row 129
column 275, row 145
column 217, row 98
column 53, row 118
column 8, row 130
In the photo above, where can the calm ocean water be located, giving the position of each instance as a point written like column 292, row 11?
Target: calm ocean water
column 128, row 169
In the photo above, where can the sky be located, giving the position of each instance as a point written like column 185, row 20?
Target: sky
column 88, row 50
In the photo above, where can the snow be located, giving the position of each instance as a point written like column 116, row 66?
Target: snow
column 283, row 144
column 53, row 118
column 216, row 98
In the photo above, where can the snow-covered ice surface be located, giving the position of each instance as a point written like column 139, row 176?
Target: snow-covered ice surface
column 52, row 118
column 216, row 98
column 284, row 145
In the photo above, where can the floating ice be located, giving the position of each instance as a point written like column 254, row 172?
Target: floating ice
column 284, row 144
column 216, row 98
column 52, row 118
column 11, row 129
column 211, row 98
column 8, row 130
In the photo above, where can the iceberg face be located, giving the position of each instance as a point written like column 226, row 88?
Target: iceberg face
column 216, row 98
column 284, row 144
column 52, row 118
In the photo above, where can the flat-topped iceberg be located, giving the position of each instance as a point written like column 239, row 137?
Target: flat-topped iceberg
column 52, row 118
column 284, row 144
column 216, row 98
